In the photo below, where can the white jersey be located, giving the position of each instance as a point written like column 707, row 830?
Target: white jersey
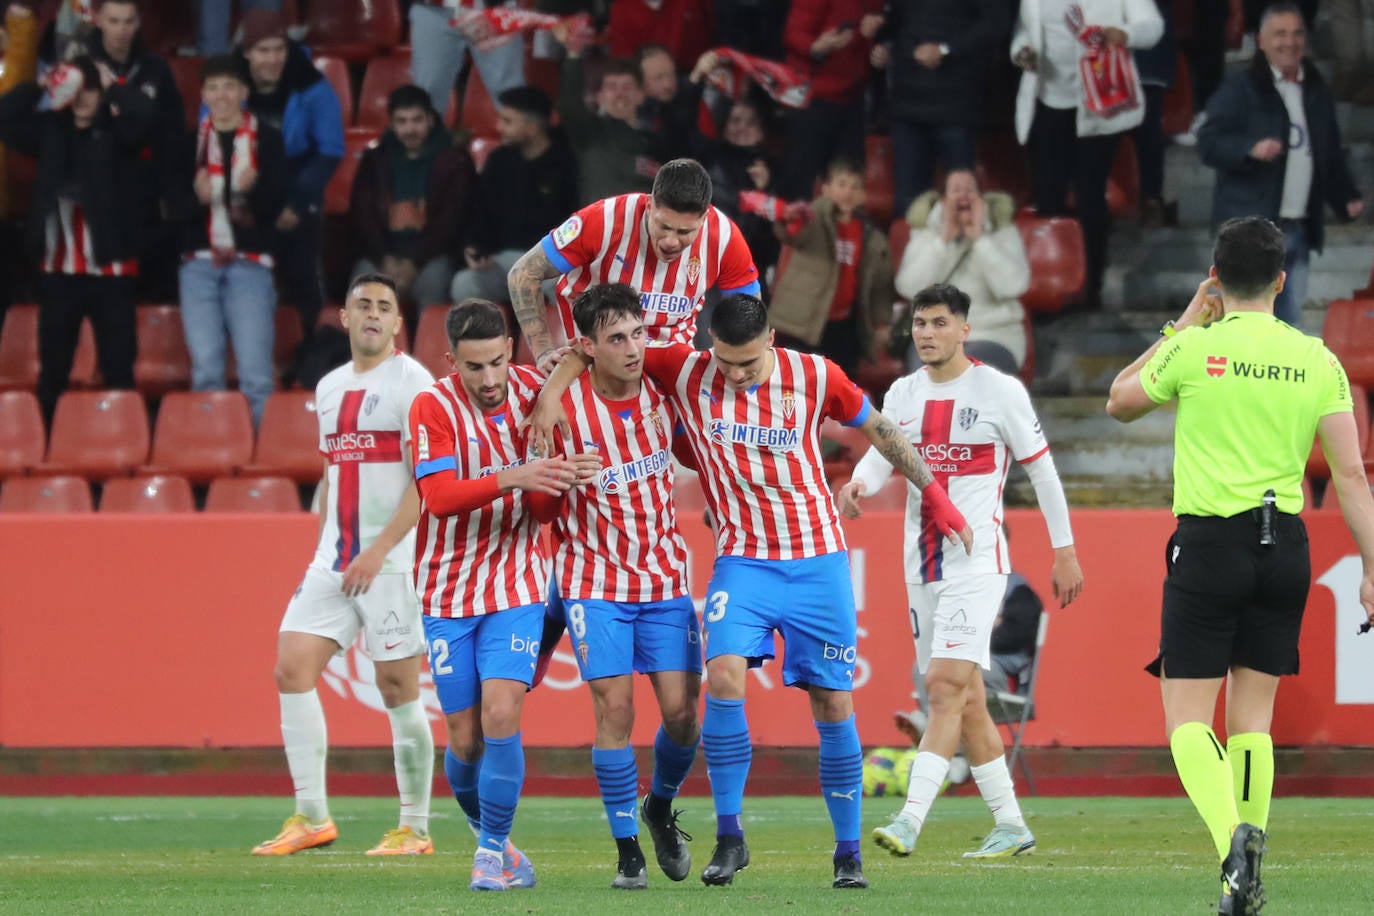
column 364, row 421
column 968, row 431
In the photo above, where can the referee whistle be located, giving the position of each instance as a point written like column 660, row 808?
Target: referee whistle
column 1268, row 511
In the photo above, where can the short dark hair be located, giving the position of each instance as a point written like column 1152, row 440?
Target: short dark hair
column 408, row 96
column 599, row 305
column 1283, row 7
column 942, row 294
column 738, row 319
column 475, row 319
column 844, row 165
column 644, row 52
column 622, row 66
column 375, row 277
column 528, row 100
column 683, row 185
column 230, row 65
column 1248, row 256
column 134, row 3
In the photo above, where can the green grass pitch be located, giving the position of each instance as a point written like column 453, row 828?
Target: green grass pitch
column 1097, row 855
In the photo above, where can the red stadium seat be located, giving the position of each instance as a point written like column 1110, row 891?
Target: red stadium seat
column 878, row 178
column 336, row 71
column 167, row 30
column 1001, row 165
column 252, row 494
column 19, row 351
column 288, row 439
column 876, row 378
column 1178, row 101
column 1317, row 467
column 543, row 73
column 355, row 30
column 201, row 435
column 288, row 337
column 1058, row 265
column 164, row 363
column 22, row 436
column 186, row 74
column 383, row 75
column 97, row 434
column 1123, row 185
column 479, row 108
column 340, row 187
column 431, row 341
column 481, row 148
column 1349, row 333
column 147, row 494
column 46, row 494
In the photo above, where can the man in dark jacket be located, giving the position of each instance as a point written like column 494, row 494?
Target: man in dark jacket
column 942, row 51
column 410, row 200
column 1272, row 136
column 290, row 94
column 528, row 186
column 239, row 177
column 84, row 216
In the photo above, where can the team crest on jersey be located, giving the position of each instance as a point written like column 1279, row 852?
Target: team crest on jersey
column 693, row 269
column 656, row 419
column 371, row 403
column 789, row 404
column 565, row 233
column 967, row 417
column 582, row 652
column 421, row 442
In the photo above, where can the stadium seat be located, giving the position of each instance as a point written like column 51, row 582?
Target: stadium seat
column 480, row 149
column 164, row 363
column 252, row 494
column 1001, row 165
column 288, row 337
column 288, row 439
column 201, row 435
column 878, row 178
column 46, row 494
column 383, row 74
column 1015, row 710
column 186, row 74
column 543, row 73
column 22, row 436
column 876, row 378
column 147, row 494
column 335, row 70
column 98, row 435
column 1317, row 466
column 431, row 341
column 340, row 187
column 1058, row 265
column 479, row 108
column 168, row 30
column 19, row 351
column 355, row 30
column 1123, row 184
column 1349, row 333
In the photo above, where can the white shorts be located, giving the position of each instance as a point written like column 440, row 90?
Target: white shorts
column 953, row 618
column 388, row 615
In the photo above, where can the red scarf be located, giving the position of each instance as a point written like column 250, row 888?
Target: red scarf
column 1109, row 80
column 488, row 28
column 210, row 156
column 736, row 70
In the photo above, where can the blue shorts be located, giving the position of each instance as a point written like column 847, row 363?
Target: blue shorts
column 809, row 601
column 465, row 651
column 611, row 638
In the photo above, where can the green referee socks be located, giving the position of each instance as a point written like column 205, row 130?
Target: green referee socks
column 1202, row 766
column 1252, row 769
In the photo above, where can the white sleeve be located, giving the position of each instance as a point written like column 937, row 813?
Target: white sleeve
column 873, row 468
column 415, row 380
column 1020, row 426
column 1049, row 493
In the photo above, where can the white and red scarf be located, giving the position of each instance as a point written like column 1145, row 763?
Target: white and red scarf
column 735, row 70
column 1110, row 83
column 210, row 156
column 487, row 28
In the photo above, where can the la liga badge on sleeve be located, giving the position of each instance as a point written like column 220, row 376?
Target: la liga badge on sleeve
column 567, row 232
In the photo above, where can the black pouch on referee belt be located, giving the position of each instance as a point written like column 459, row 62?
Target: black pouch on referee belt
column 1268, row 520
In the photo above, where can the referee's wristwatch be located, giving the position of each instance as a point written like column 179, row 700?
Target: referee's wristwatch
column 1168, row 330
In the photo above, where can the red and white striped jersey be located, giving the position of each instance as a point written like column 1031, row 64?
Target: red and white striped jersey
column 364, row 422
column 758, row 451
column 67, row 246
column 968, row 430
column 618, row 538
column 491, row 558
column 608, row 242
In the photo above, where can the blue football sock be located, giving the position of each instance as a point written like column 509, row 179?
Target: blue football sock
column 462, row 778
column 618, row 778
column 842, row 777
column 672, row 763
column 498, row 786
column 725, row 741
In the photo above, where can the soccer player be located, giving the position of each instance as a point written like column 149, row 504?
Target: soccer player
column 360, row 578
column 968, row 421
column 620, row 579
column 1252, row 392
column 752, row 414
column 480, row 571
column 671, row 245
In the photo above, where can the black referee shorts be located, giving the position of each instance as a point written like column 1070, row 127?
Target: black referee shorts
column 1228, row 601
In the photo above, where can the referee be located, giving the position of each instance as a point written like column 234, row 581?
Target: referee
column 1251, row 393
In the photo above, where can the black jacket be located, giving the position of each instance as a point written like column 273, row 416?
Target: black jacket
column 1018, row 622
column 1247, row 108
column 519, row 200
column 265, row 199
column 977, row 33
column 101, row 165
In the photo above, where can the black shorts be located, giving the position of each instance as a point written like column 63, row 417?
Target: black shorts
column 1228, row 601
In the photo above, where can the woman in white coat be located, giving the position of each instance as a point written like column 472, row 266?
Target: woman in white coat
column 1070, row 145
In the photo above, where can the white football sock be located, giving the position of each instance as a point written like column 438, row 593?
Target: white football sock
column 413, row 745
column 994, row 782
column 927, row 777
column 306, row 739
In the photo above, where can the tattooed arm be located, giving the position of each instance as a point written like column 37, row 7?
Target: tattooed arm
column 897, row 449
column 527, row 296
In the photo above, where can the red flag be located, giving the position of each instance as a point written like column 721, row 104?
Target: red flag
column 735, row 70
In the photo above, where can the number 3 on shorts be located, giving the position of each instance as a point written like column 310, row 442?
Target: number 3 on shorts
column 717, row 601
column 577, row 620
column 438, row 657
